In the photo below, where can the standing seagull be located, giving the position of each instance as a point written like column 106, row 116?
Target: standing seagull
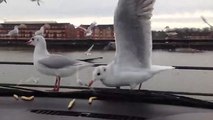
column 3, row 1
column 52, row 64
column 88, row 32
column 132, row 63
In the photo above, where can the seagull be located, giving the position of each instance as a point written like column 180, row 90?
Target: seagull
column 88, row 32
column 42, row 29
column 53, row 64
column 132, row 63
column 205, row 21
column 38, row 1
column 14, row 32
column 3, row 1
column 88, row 52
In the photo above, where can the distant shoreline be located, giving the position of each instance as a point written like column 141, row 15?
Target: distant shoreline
column 83, row 44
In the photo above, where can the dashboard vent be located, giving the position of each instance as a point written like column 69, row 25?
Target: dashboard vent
column 86, row 114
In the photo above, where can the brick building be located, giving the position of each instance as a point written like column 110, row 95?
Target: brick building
column 56, row 30
column 67, row 31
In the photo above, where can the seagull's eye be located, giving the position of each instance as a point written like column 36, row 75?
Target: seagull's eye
column 98, row 74
column 32, row 39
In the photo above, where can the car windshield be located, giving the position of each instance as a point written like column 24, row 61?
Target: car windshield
column 79, row 30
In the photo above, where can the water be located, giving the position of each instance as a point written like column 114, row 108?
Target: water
column 175, row 80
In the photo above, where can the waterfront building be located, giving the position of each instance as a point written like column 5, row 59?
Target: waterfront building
column 67, row 31
column 56, row 31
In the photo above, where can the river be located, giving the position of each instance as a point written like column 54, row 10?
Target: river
column 174, row 80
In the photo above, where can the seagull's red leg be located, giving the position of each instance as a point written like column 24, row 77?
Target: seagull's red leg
column 58, row 84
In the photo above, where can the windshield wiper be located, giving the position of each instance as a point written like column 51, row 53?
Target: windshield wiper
column 193, row 68
column 107, row 94
column 99, row 64
column 15, row 63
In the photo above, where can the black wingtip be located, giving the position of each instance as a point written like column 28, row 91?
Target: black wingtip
column 91, row 59
column 101, row 64
column 192, row 68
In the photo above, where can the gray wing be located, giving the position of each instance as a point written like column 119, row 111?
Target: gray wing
column 133, row 33
column 57, row 62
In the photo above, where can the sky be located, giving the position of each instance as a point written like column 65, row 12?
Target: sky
column 172, row 13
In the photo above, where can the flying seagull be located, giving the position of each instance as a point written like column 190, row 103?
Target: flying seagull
column 88, row 31
column 205, row 21
column 132, row 63
column 42, row 29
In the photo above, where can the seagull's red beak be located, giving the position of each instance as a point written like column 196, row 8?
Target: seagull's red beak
column 29, row 42
column 90, row 83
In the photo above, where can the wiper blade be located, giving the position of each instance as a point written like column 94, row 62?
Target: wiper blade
column 33, row 90
column 193, row 68
column 15, row 63
column 106, row 94
column 99, row 64
column 9, row 90
column 187, row 93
